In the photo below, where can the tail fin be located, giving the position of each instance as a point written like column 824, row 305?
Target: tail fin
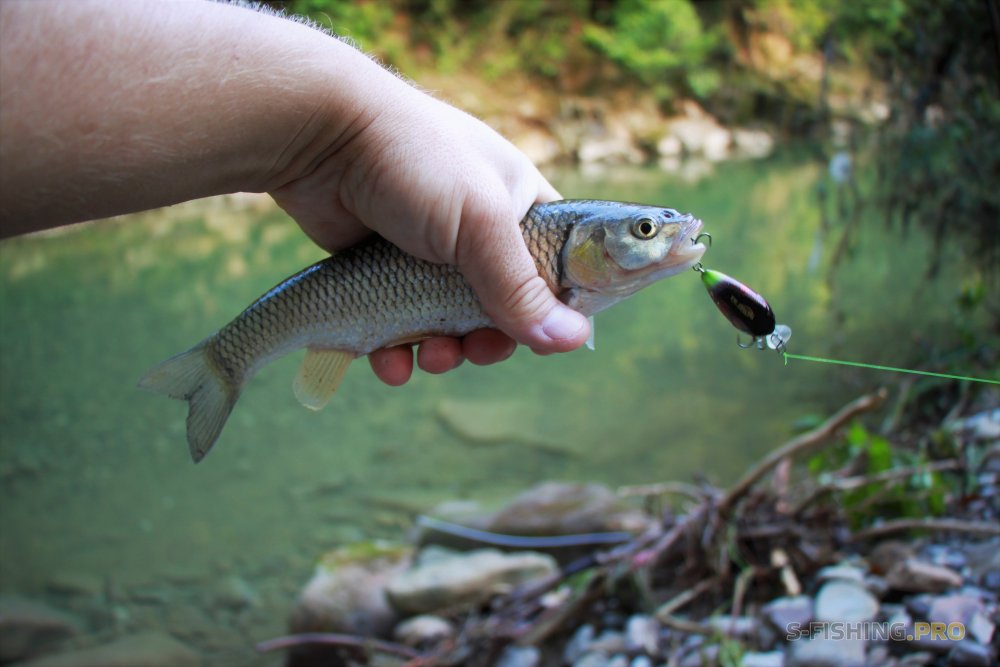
column 190, row 376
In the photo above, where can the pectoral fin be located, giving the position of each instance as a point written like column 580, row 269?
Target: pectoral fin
column 590, row 339
column 319, row 376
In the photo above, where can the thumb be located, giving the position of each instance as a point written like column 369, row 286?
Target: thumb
column 494, row 259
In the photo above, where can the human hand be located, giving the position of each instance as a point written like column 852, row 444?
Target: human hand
column 445, row 187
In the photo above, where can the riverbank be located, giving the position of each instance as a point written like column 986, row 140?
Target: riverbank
column 778, row 569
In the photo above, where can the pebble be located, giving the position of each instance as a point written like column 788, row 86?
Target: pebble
column 592, row 659
column 916, row 576
column 964, row 609
column 642, row 633
column 841, row 572
column 821, row 650
column 640, row 661
column 558, row 508
column 845, row 601
column 347, row 591
column 28, row 628
column 578, row 643
column 703, row 655
column 970, row 654
column 609, row 641
column 75, row 584
column 519, row 656
column 235, row 594
column 742, row 627
column 786, row 614
column 769, row 659
column 464, row 578
column 423, row 630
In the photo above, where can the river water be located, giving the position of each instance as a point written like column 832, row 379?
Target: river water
column 102, row 512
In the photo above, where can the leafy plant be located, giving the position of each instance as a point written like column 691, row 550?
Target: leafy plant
column 661, row 43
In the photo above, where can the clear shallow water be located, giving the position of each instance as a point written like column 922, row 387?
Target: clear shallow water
column 97, row 487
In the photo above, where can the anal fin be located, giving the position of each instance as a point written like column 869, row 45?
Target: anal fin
column 319, row 376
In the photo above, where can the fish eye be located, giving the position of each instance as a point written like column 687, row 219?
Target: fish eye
column 644, row 228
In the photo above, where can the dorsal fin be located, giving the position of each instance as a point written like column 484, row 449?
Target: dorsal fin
column 320, row 375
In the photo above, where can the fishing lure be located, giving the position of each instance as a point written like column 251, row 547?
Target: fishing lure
column 745, row 309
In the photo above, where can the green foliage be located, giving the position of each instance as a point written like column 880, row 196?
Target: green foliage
column 864, row 453
column 662, row 43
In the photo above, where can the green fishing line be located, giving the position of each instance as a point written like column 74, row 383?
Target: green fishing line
column 821, row 360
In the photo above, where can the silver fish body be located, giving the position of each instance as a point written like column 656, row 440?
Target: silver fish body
column 373, row 295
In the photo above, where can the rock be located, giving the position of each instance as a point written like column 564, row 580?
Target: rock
column 29, row 628
column 640, row 661
column 845, row 601
column 642, row 633
column 347, row 591
column 984, row 426
column 769, row 659
column 887, row 554
column 971, row 654
column 608, row 642
column 75, row 584
column 669, row 146
column 540, row 146
column 235, row 594
column 842, row 572
column 464, row 578
column 423, row 630
column 753, row 143
column 706, row 654
column 494, row 422
column 916, row 576
column 967, row 610
column 609, row 150
column 789, row 614
column 578, row 643
column 592, row 659
column 557, row 508
column 149, row 649
column 742, row 627
column 519, row 656
column 822, row 650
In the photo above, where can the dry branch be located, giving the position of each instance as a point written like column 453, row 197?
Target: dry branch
column 802, row 443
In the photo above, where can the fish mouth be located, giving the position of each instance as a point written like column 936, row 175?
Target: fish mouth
column 688, row 249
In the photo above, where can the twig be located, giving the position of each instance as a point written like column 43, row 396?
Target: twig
column 740, row 590
column 856, row 482
column 946, row 525
column 817, row 436
column 333, row 639
column 682, row 598
column 685, row 625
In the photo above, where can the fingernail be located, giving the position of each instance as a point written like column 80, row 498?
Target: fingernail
column 563, row 323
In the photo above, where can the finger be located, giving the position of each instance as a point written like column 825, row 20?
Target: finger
column 546, row 191
column 392, row 365
column 494, row 259
column 488, row 346
column 439, row 354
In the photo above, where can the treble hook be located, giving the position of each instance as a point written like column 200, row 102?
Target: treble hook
column 704, row 235
column 755, row 341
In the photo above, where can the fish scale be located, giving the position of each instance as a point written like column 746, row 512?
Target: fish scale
column 374, row 295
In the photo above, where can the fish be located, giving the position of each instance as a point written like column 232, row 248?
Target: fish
column 591, row 253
